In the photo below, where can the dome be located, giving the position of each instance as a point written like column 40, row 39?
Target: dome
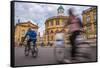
column 60, row 7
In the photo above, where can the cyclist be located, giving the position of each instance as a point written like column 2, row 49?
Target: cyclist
column 31, row 35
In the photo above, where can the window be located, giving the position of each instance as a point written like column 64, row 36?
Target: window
column 23, row 32
column 47, row 24
column 95, row 18
column 62, row 11
column 57, row 22
column 51, row 31
column 22, row 38
column 47, row 32
column 94, row 29
column 51, row 37
column 63, row 30
column 89, row 30
column 51, row 22
column 62, row 22
column 48, row 37
column 88, row 19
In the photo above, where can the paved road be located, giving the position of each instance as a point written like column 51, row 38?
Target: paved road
column 46, row 56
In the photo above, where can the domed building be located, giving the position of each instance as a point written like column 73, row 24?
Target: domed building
column 54, row 25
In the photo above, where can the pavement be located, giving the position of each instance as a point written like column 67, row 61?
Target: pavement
column 45, row 56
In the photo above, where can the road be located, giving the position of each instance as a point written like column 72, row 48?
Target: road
column 46, row 56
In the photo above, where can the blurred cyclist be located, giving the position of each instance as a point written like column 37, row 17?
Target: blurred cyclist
column 31, row 37
column 75, row 26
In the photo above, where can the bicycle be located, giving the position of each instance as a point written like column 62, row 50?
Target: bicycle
column 83, row 52
column 30, row 48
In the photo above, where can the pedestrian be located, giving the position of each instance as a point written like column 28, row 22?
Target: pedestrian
column 75, row 26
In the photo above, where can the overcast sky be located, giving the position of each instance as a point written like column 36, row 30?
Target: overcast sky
column 38, row 13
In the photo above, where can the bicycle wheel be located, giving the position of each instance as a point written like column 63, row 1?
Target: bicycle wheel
column 26, row 51
column 83, row 52
column 59, row 54
column 34, row 52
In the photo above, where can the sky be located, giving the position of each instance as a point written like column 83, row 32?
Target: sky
column 37, row 13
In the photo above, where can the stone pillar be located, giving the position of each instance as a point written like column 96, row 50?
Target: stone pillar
column 92, row 21
column 84, row 24
column 92, row 24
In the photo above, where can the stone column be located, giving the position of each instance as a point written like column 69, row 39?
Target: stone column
column 92, row 23
column 84, row 23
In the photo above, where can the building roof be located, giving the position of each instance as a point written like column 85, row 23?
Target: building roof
column 56, row 17
column 27, row 24
column 88, row 10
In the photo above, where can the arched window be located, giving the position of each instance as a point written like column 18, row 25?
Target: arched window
column 95, row 18
column 57, row 22
column 47, row 32
column 51, row 37
column 88, row 19
column 63, row 30
column 23, row 32
column 51, row 22
column 47, row 24
column 51, row 31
